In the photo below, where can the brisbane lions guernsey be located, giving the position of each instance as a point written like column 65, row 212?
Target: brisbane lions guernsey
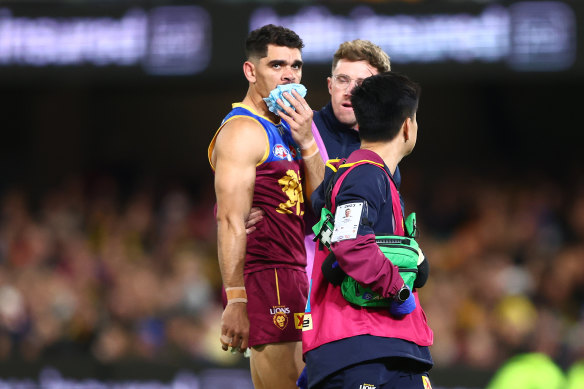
column 278, row 240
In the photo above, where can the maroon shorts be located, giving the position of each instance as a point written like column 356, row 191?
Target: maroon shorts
column 275, row 307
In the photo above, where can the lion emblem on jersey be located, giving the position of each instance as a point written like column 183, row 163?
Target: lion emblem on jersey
column 291, row 186
column 281, row 320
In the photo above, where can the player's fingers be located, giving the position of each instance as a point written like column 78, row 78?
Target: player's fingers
column 225, row 341
column 253, row 219
column 236, row 342
column 301, row 100
column 250, row 230
column 244, row 344
column 256, row 211
column 287, row 118
column 285, row 108
column 297, row 104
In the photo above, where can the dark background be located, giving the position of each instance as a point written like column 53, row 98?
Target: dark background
column 476, row 121
column 64, row 121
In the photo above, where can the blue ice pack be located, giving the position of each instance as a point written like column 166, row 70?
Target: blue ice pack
column 277, row 94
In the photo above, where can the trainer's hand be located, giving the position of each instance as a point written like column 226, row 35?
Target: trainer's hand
column 401, row 309
column 299, row 118
column 235, row 327
column 255, row 215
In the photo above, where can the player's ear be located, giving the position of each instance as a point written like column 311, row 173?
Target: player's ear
column 249, row 71
column 406, row 128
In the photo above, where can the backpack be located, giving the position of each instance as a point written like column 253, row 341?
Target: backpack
column 402, row 251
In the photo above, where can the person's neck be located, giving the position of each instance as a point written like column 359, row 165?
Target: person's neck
column 257, row 103
column 388, row 151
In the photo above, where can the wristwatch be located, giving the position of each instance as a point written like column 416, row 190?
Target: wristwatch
column 403, row 294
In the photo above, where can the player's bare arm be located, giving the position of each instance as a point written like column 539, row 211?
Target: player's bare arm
column 300, row 121
column 239, row 147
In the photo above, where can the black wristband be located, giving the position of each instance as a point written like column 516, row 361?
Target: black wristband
column 403, row 294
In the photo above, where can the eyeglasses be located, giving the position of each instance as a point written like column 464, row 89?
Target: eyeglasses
column 343, row 81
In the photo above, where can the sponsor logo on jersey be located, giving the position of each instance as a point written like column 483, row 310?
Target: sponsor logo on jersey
column 298, row 318
column 367, row 386
column 307, row 322
column 281, row 152
column 426, row 382
column 293, row 151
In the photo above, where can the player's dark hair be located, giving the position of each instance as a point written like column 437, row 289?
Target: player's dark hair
column 258, row 40
column 382, row 103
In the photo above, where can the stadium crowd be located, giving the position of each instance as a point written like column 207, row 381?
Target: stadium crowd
column 88, row 270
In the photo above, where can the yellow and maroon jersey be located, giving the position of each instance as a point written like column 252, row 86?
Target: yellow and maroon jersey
column 278, row 240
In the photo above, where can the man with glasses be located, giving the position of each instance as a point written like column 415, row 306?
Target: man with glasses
column 352, row 63
column 335, row 127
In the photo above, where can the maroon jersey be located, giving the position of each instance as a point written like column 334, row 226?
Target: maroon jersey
column 278, row 240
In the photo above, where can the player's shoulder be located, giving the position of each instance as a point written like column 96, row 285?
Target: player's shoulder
column 242, row 136
column 242, row 127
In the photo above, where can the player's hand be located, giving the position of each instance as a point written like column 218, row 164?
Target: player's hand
column 255, row 215
column 235, row 327
column 299, row 118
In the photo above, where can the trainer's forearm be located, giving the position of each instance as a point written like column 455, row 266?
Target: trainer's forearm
column 231, row 245
column 313, row 174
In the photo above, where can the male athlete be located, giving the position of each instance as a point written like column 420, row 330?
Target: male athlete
column 258, row 163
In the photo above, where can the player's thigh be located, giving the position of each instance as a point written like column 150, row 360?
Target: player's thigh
column 275, row 364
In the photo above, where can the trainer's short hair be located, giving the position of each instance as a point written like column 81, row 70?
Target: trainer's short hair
column 256, row 45
column 382, row 103
column 363, row 50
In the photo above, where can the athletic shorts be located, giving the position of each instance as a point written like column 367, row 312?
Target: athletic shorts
column 275, row 306
column 379, row 374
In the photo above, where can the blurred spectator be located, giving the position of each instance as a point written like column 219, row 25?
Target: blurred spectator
column 89, row 269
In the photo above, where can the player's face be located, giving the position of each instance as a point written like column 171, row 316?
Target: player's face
column 282, row 65
column 340, row 90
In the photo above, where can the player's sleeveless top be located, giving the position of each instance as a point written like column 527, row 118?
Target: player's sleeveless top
column 278, row 240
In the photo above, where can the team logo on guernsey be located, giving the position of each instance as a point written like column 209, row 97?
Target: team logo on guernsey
column 282, row 152
column 293, row 188
column 280, row 316
column 426, row 382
